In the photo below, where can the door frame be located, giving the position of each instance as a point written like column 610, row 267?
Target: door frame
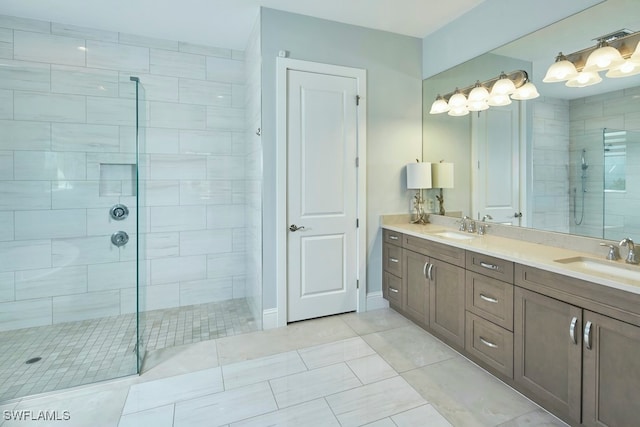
column 282, row 66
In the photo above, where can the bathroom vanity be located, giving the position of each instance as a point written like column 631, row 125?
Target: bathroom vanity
column 559, row 325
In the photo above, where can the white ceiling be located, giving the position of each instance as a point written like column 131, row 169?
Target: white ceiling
column 227, row 23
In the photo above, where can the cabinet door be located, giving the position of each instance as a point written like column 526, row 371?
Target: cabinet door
column 547, row 356
column 446, row 302
column 416, row 290
column 611, row 372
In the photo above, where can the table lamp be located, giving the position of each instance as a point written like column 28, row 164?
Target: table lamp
column 419, row 178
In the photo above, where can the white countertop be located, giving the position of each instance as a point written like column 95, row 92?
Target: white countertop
column 531, row 254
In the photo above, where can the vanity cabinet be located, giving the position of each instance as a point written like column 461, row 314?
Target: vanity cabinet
column 392, row 285
column 416, row 285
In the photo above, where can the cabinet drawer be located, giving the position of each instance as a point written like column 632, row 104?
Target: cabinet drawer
column 490, row 344
column 392, row 289
column 392, row 237
column 445, row 253
column 490, row 298
column 392, row 259
column 490, row 266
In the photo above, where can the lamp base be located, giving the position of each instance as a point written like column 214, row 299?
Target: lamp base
column 441, row 202
column 421, row 217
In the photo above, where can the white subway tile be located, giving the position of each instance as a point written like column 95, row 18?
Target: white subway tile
column 156, row 88
column 79, row 194
column 205, row 93
column 238, row 55
column 28, row 46
column 157, row 297
column 225, row 70
column 6, row 165
column 178, row 269
column 84, row 81
column 49, row 107
column 222, row 118
column 177, row 116
column 238, row 95
column 128, row 300
column 6, row 104
column 111, row 276
column 92, row 305
column 6, row 225
column 239, row 287
column 49, row 224
column 162, row 141
column 177, row 64
column 100, row 223
column 7, row 292
column 25, row 255
column 114, row 56
column 162, row 245
column 226, row 265
column 26, row 24
column 225, row 167
column 205, row 50
column 21, row 75
column 204, row 291
column 205, row 192
column 25, row 194
column 225, row 216
column 111, row 111
column 184, row 166
column 99, row 164
column 205, row 242
column 83, row 251
column 240, row 239
column 49, row 282
column 148, row 41
column 205, row 142
column 50, row 165
column 161, row 193
column 6, row 43
column 83, row 137
column 177, row 218
column 25, row 314
column 18, row 135
column 83, row 32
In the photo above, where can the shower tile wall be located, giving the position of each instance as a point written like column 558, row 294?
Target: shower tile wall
column 67, row 109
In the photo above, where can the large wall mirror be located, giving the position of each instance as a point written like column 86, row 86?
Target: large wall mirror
column 567, row 161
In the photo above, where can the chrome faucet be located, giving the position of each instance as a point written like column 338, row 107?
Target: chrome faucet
column 632, row 258
column 613, row 254
column 463, row 223
column 482, row 228
column 471, row 226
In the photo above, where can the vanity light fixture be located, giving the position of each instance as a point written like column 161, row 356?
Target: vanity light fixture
column 617, row 53
column 482, row 95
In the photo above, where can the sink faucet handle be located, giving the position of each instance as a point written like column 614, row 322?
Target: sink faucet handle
column 613, row 254
column 463, row 223
column 486, row 217
column 632, row 257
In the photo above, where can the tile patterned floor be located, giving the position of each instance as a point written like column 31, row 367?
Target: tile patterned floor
column 89, row 351
column 374, row 369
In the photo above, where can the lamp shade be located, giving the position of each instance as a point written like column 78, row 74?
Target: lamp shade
column 442, row 175
column 439, row 106
column 525, row 92
column 584, row 79
column 560, row 71
column 418, row 175
column 602, row 58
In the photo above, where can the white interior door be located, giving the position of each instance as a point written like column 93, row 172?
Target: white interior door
column 321, row 194
column 496, row 189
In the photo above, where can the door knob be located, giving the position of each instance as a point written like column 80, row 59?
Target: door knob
column 294, row 227
column 517, row 215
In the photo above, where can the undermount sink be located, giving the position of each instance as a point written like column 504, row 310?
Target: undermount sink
column 453, row 235
column 609, row 268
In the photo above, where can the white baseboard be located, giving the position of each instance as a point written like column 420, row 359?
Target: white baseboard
column 270, row 318
column 375, row 301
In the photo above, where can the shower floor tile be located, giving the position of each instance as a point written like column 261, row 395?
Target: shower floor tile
column 88, row 351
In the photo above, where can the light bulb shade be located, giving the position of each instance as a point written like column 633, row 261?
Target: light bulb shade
column 442, row 175
column 560, row 71
column 458, row 111
column 628, row 68
column 478, row 93
column 499, row 100
column 439, row 106
column 477, row 106
column 584, row 79
column 603, row 58
column 418, row 175
column 457, row 100
column 526, row 91
column 504, row 86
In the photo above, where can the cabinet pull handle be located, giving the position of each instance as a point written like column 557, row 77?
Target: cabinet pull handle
column 572, row 330
column 488, row 299
column 489, row 266
column 587, row 335
column 487, row 343
column 393, row 237
column 393, row 260
column 429, row 271
column 424, row 269
column 394, row 290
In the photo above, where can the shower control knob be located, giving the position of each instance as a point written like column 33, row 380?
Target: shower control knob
column 119, row 238
column 119, row 212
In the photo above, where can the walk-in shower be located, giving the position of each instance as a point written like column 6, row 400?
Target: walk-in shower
column 583, row 189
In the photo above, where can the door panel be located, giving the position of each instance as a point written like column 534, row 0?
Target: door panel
column 416, row 287
column 321, row 194
column 446, row 301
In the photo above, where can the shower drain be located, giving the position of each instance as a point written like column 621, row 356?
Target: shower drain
column 33, row 360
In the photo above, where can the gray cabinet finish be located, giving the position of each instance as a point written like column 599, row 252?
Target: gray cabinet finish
column 490, row 298
column 416, row 285
column 490, row 344
column 446, row 300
